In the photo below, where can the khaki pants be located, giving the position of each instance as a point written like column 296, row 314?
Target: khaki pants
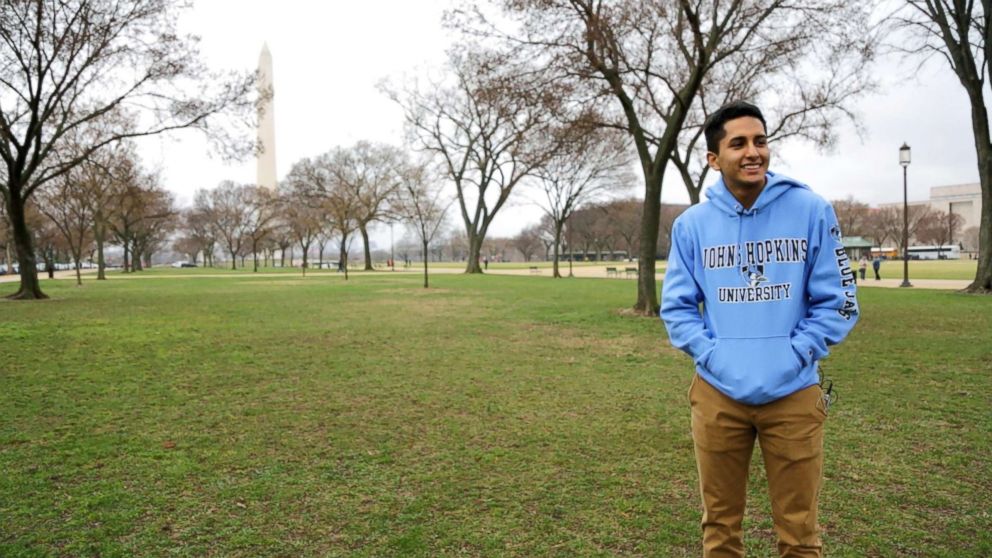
column 790, row 433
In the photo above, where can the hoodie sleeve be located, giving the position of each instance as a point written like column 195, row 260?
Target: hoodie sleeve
column 680, row 298
column 833, row 306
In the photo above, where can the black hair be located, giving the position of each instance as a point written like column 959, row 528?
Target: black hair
column 714, row 129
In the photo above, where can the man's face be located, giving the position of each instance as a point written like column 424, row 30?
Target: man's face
column 743, row 156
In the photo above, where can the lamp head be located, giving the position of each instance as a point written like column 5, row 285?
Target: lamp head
column 904, row 155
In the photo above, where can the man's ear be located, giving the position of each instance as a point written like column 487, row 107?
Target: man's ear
column 712, row 161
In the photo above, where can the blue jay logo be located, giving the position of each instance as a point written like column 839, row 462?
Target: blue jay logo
column 835, row 232
column 753, row 274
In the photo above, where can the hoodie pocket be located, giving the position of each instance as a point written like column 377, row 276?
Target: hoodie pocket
column 752, row 370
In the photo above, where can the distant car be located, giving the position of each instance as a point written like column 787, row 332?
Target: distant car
column 183, row 264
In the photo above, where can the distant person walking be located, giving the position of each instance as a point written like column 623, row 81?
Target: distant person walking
column 863, row 266
column 875, row 265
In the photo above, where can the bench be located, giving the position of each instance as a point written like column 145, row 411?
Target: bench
column 612, row 272
column 535, row 269
column 630, row 271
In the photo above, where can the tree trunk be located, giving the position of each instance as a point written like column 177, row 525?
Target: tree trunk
column 79, row 276
column 556, row 273
column 983, row 147
column 234, row 260
column 136, row 263
column 694, row 195
column 365, row 244
column 30, row 286
column 343, row 256
column 100, row 235
column 647, row 291
column 474, row 252
column 425, row 264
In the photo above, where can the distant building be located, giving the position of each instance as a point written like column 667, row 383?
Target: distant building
column 964, row 200
column 856, row 246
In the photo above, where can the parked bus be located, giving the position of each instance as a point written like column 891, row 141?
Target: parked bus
column 950, row 252
column 886, row 253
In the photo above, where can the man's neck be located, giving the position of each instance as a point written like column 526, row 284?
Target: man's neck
column 746, row 195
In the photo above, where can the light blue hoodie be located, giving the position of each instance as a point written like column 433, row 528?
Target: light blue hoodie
column 775, row 283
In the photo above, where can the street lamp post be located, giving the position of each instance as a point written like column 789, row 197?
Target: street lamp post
column 904, row 158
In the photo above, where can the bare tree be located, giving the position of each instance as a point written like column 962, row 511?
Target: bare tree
column 852, row 216
column 917, row 217
column 305, row 221
column 881, row 223
column 644, row 66
column 186, row 245
column 75, row 63
column 138, row 207
column 65, row 202
column 319, row 181
column 588, row 164
column 199, row 236
column 324, row 237
column 113, row 164
column 528, row 242
column 227, row 209
column 423, row 205
column 261, row 218
column 47, row 238
column 154, row 229
column 369, row 173
column 939, row 228
column 486, row 128
column 625, row 218
column 959, row 32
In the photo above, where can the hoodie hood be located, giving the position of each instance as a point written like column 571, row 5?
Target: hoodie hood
column 775, row 186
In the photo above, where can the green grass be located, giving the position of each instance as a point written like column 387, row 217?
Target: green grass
column 488, row 416
column 930, row 269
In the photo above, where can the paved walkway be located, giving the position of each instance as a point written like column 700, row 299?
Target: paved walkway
column 578, row 271
column 600, row 272
column 70, row 274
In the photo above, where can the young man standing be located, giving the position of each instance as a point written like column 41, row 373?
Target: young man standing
column 763, row 256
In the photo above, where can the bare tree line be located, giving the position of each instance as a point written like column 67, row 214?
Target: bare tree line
column 883, row 226
column 79, row 76
column 551, row 96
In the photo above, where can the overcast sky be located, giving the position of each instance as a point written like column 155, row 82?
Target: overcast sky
column 328, row 57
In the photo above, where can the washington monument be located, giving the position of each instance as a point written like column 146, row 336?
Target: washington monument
column 266, row 122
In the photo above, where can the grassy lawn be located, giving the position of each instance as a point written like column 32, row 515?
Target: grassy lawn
column 930, row 269
column 488, row 416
